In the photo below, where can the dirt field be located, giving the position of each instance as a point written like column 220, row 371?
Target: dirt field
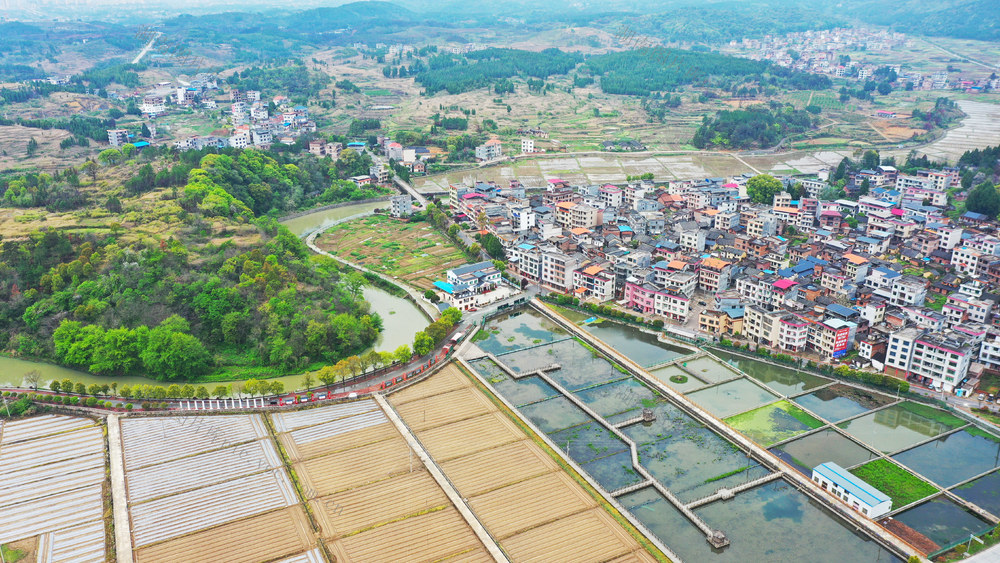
column 280, row 533
column 535, row 510
column 413, row 251
column 434, row 536
column 372, row 499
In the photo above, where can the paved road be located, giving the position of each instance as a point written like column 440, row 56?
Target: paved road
column 145, row 49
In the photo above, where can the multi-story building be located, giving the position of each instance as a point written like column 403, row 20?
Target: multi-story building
column 970, row 262
column 832, row 338
column 906, row 290
column 961, row 308
column 527, row 146
column 400, row 205
column 490, row 150
column 650, row 299
column 594, row 281
column 557, row 269
column 943, row 357
column 714, row 275
column 117, row 137
column 721, row 323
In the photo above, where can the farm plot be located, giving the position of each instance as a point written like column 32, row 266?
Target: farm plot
column 52, row 478
column 149, row 441
column 518, row 492
column 372, row 498
column 213, row 486
column 414, row 252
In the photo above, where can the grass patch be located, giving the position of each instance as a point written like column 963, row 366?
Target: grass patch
column 679, row 378
column 11, row 555
column 728, row 474
column 480, row 336
column 902, row 486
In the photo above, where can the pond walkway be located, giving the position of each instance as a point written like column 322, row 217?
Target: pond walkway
column 715, row 537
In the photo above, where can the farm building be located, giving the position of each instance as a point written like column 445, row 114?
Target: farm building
column 856, row 493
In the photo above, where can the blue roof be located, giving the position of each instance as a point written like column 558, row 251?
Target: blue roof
column 445, row 286
column 526, row 246
column 858, row 488
column 624, row 229
column 140, row 144
column 975, row 216
column 661, row 264
column 869, row 240
column 886, row 272
column 841, row 310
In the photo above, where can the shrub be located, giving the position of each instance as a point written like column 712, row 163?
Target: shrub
column 128, row 406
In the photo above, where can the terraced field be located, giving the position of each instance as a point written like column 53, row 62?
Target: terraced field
column 372, row 498
column 52, row 478
column 536, row 511
column 210, row 488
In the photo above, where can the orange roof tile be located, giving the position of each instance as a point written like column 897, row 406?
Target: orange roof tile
column 566, row 204
column 787, row 209
column 716, row 263
column 677, row 265
column 579, row 231
column 593, row 270
column 855, row 259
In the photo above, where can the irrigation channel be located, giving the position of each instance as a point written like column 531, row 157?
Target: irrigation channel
column 685, row 481
column 404, row 318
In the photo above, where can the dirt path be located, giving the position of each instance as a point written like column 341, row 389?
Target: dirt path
column 123, row 531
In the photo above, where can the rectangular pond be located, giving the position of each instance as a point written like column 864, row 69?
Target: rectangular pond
column 942, row 521
column 579, row 366
column 641, row 347
column 678, row 379
column 954, row 458
column 552, row 415
column 588, row 442
column 517, row 330
column 820, row 447
column 517, row 391
column 709, row 369
column 838, row 401
column 785, row 380
column 773, row 522
column 617, row 397
column 732, row 397
column 900, row 426
column 774, row 423
column 984, row 492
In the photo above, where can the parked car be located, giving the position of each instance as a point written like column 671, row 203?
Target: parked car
column 990, row 398
column 320, row 396
column 287, row 401
column 982, row 397
column 304, row 398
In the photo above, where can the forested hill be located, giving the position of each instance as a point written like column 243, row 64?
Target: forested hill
column 176, row 282
column 656, row 69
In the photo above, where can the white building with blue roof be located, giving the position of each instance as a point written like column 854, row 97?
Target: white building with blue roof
column 852, row 490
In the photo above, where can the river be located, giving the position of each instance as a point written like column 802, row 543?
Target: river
column 400, row 317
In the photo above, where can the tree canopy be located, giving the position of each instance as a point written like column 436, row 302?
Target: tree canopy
column 984, row 199
column 763, row 187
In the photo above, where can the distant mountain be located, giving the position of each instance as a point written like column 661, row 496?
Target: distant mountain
column 321, row 19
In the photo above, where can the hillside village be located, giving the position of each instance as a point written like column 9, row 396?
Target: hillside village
column 887, row 281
